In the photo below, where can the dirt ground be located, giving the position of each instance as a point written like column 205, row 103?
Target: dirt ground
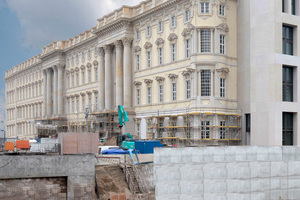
column 110, row 179
column 110, row 142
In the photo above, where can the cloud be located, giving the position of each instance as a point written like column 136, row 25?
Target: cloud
column 45, row 21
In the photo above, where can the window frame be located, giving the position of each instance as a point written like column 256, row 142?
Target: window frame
column 188, row 89
column 160, row 93
column 173, row 22
column 187, row 15
column 149, row 95
column 160, row 27
column 287, row 84
column 204, row 7
column 187, row 48
column 222, row 87
column 138, row 96
column 173, row 52
column 138, row 62
column 286, row 40
column 205, row 41
column 149, row 62
column 148, row 31
column 205, row 131
column 222, row 44
column 174, row 91
column 160, row 56
column 222, row 10
column 205, row 83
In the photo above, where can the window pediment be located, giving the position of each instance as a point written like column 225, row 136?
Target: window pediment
column 147, row 45
column 223, row 27
column 137, row 49
column 159, row 41
column 172, row 37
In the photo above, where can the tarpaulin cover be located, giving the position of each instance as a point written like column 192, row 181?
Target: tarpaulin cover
column 115, row 151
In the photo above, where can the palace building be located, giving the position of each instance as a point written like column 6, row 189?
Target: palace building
column 186, row 72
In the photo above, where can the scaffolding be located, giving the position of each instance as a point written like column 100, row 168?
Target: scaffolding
column 196, row 127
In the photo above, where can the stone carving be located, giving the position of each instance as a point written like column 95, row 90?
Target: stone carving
column 159, row 79
column 82, row 67
column 137, row 49
column 148, row 82
column 127, row 41
column 89, row 65
column 147, row 45
column 223, row 27
column 95, row 63
column 137, row 83
column 118, row 44
column 172, row 37
column 159, row 41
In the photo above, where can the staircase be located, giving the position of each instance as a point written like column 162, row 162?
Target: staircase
column 131, row 180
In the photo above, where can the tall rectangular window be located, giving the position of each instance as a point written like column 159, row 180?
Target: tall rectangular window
column 161, row 93
column 287, row 128
column 287, row 40
column 173, row 52
column 138, row 62
column 138, row 130
column 83, row 78
column 96, row 74
column 138, row 96
column 90, row 103
column 174, row 91
column 68, row 107
column 187, row 15
column 83, row 104
column 173, row 21
column 188, row 89
column 205, row 129
column 90, row 75
column 222, row 87
column 160, row 26
column 248, row 123
column 287, row 84
column 187, row 48
column 96, row 103
column 77, row 105
column 283, row 1
column 149, row 59
column 77, row 79
column 73, row 106
column 293, row 7
column 205, row 41
column 160, row 56
column 222, row 130
column 73, row 80
column 137, row 35
column 222, row 10
column 205, row 7
column 148, row 31
column 68, row 86
column 205, row 83
column 222, row 44
column 149, row 95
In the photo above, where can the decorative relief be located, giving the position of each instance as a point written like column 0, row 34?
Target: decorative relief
column 137, row 83
column 159, row 79
column 89, row 93
column 137, row 49
column 76, row 69
column 223, row 27
column 82, row 94
column 127, row 41
column 172, row 37
column 95, row 91
column 118, row 44
column 82, row 67
column 95, row 63
column 159, row 41
column 101, row 51
column 147, row 45
column 89, row 66
column 223, row 71
column 148, row 82
column 76, row 95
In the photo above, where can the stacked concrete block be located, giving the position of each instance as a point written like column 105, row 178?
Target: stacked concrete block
column 227, row 173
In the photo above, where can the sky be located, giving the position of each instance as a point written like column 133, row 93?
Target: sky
column 26, row 26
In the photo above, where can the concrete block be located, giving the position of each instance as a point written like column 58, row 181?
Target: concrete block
column 214, row 186
column 192, row 197
column 238, row 186
column 210, row 196
column 187, row 155
column 208, row 154
column 260, row 169
column 260, row 184
column 294, row 168
column 278, row 194
column 215, row 171
column 259, row 196
column 167, row 197
column 236, row 196
column 238, row 170
column 252, row 153
column 176, row 155
column 293, row 194
column 191, row 187
column 168, row 174
column 241, row 154
column 262, row 153
column 294, row 182
column 279, row 169
column 288, row 153
column 191, row 172
column 274, row 153
column 167, row 188
column 219, row 154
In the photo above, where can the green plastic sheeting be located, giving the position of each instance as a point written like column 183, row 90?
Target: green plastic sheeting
column 122, row 115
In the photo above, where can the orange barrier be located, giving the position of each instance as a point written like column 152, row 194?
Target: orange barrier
column 22, row 144
column 9, row 146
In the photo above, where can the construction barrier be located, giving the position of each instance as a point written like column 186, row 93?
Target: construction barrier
column 22, row 144
column 9, row 146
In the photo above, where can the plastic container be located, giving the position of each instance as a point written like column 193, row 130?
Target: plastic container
column 9, row 146
column 147, row 146
column 22, row 144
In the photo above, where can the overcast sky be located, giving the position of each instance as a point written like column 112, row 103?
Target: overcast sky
column 28, row 25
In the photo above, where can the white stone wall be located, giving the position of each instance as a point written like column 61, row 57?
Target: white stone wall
column 235, row 173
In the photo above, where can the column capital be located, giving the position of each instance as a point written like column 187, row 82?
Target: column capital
column 60, row 67
column 107, row 48
column 101, row 51
column 118, row 44
column 44, row 71
column 48, row 70
column 127, row 41
column 54, row 67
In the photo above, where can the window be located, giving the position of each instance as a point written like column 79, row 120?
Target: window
column 222, row 87
column 173, row 21
column 149, row 59
column 188, row 89
column 187, row 15
column 96, row 74
column 83, row 104
column 89, row 53
column 138, row 96
column 68, row 107
column 283, row 1
column 90, row 103
column 77, row 79
column 72, row 80
column 222, row 44
column 222, row 130
column 174, row 96
column 149, row 95
column 68, row 82
column 205, row 7
column 82, row 57
column 160, row 26
column 222, row 10
column 138, row 62
column 90, row 75
column 148, row 31
column 161, row 93
column 73, row 106
column 173, row 52
column 287, row 40
column 187, row 48
column 205, row 129
column 248, row 123
column 77, row 105
column 77, row 59
column 205, row 83
column 160, row 56
column 287, row 128
column 287, row 84
column 96, row 103
column 137, row 35
column 293, row 7
column 83, row 78
column 138, row 130
column 205, row 41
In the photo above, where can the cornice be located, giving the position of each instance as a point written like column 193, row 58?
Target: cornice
column 112, row 27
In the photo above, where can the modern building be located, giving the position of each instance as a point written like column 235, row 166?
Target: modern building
column 197, row 72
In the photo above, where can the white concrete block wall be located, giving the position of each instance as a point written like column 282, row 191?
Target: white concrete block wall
column 229, row 173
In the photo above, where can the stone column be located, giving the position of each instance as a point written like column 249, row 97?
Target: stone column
column 55, row 91
column 119, row 73
column 101, row 79
column 60, row 106
column 108, row 78
column 49, row 92
column 127, row 72
column 44, row 111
